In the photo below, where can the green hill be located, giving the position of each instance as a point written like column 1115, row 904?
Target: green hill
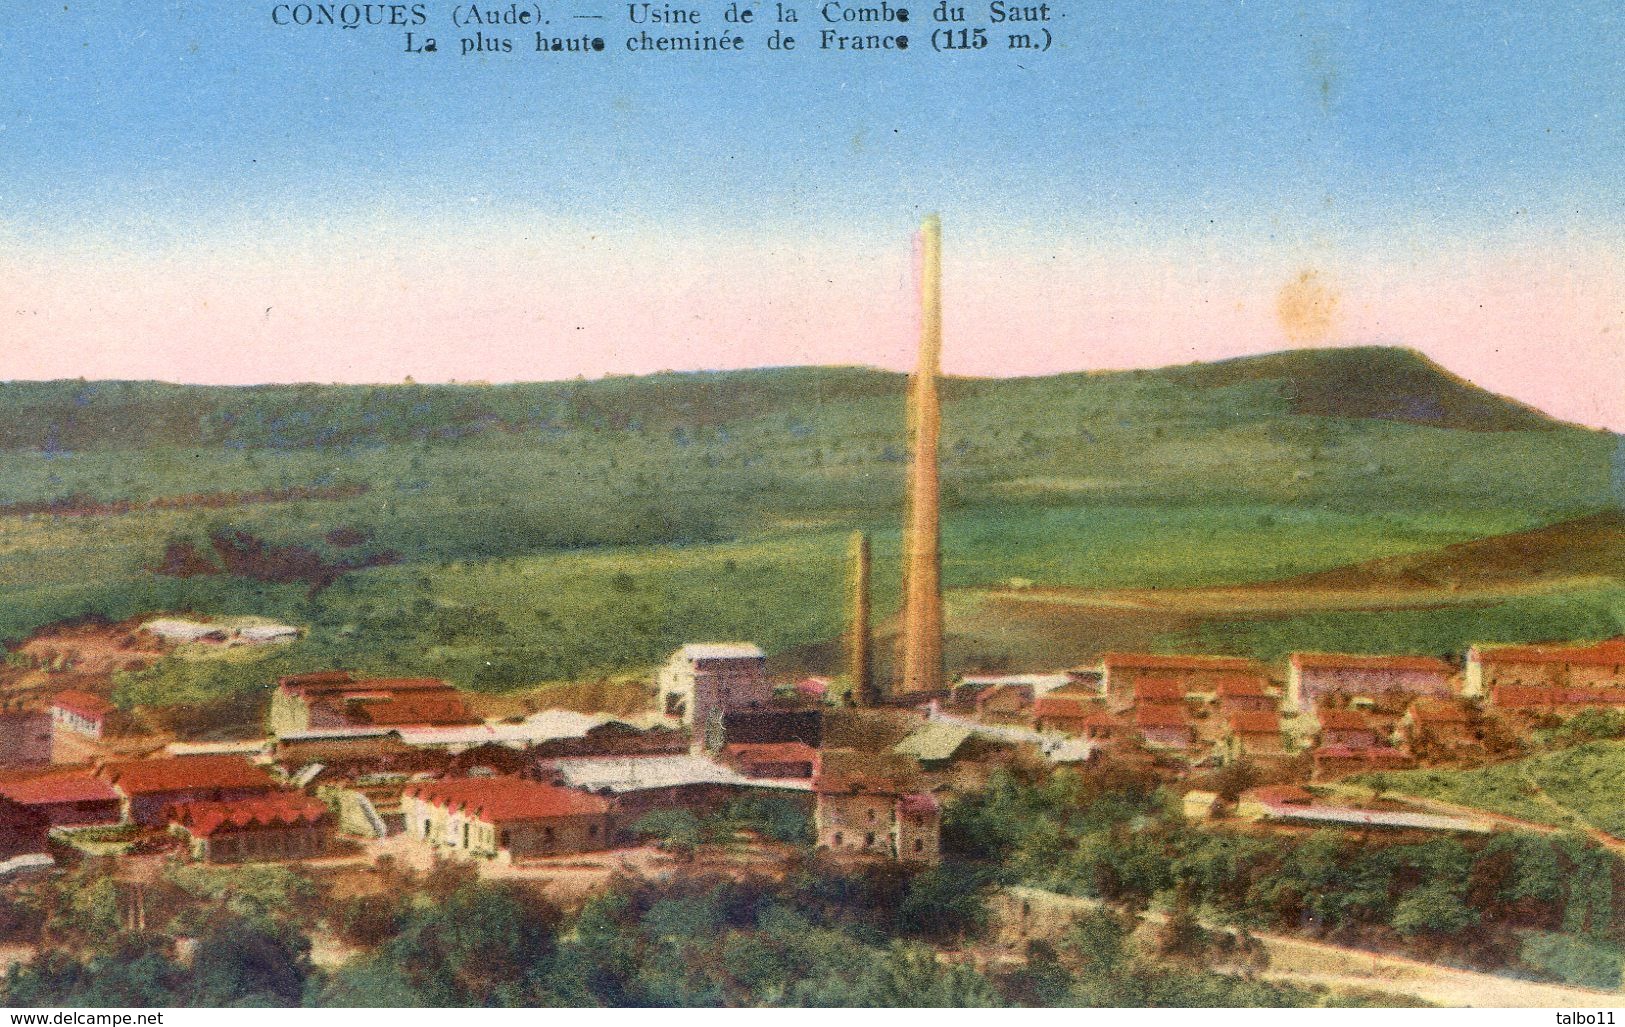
column 1363, row 383
column 505, row 535
column 1592, row 546
column 1576, row 788
column 1372, row 382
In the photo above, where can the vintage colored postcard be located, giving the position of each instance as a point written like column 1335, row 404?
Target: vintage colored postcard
column 860, row 503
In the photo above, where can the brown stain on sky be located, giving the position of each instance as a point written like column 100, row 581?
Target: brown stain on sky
column 1307, row 307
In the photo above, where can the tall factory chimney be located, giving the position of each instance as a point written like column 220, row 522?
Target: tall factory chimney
column 922, row 667
column 860, row 660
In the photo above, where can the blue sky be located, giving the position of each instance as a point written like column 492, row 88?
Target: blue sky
column 1343, row 119
column 183, row 179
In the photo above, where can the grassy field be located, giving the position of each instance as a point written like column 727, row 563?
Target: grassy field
column 1576, row 788
column 579, row 530
column 1423, row 626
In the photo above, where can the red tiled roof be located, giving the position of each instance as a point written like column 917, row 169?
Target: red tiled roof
column 342, row 682
column 1356, row 661
column 203, row 819
column 1343, row 720
column 1022, row 693
column 1157, row 689
column 1438, row 712
column 1053, row 706
column 184, row 773
column 501, row 800
column 1374, row 754
column 1594, row 697
column 83, row 703
column 1160, row 716
column 1519, row 697
column 1235, row 685
column 1598, row 654
column 51, row 788
column 412, row 711
column 1255, row 722
column 316, row 681
column 813, row 686
column 772, row 752
column 1153, row 661
column 1524, row 697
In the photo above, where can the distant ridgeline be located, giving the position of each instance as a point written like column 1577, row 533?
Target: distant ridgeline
column 80, row 505
column 1369, row 383
column 501, row 535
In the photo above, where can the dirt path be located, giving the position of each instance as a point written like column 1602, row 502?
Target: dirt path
column 1300, row 961
column 1591, row 831
column 1310, row 962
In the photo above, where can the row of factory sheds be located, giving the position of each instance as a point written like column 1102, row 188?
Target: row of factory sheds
column 1347, row 713
column 551, row 783
column 227, row 808
column 369, row 759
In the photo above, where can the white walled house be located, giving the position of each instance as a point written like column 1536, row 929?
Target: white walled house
column 705, row 679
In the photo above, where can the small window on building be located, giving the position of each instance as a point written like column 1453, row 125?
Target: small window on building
column 868, row 839
column 592, row 830
column 871, row 816
column 840, row 839
column 919, row 845
column 504, row 839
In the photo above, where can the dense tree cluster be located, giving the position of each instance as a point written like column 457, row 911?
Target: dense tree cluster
column 821, row 936
column 1112, row 835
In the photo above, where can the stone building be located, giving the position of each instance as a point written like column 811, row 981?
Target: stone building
column 149, row 787
column 1243, row 693
column 1346, row 727
column 272, row 827
column 1164, row 727
column 1067, row 716
column 1446, row 723
column 22, row 829
column 1312, row 676
column 1158, row 690
column 1335, row 761
column 303, row 703
column 702, row 681
column 64, row 797
column 1559, row 701
column 1121, row 671
column 81, row 712
column 1253, row 733
column 1597, row 666
column 1005, row 703
column 345, row 759
column 772, row 759
column 506, row 818
column 876, row 816
column 25, row 737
